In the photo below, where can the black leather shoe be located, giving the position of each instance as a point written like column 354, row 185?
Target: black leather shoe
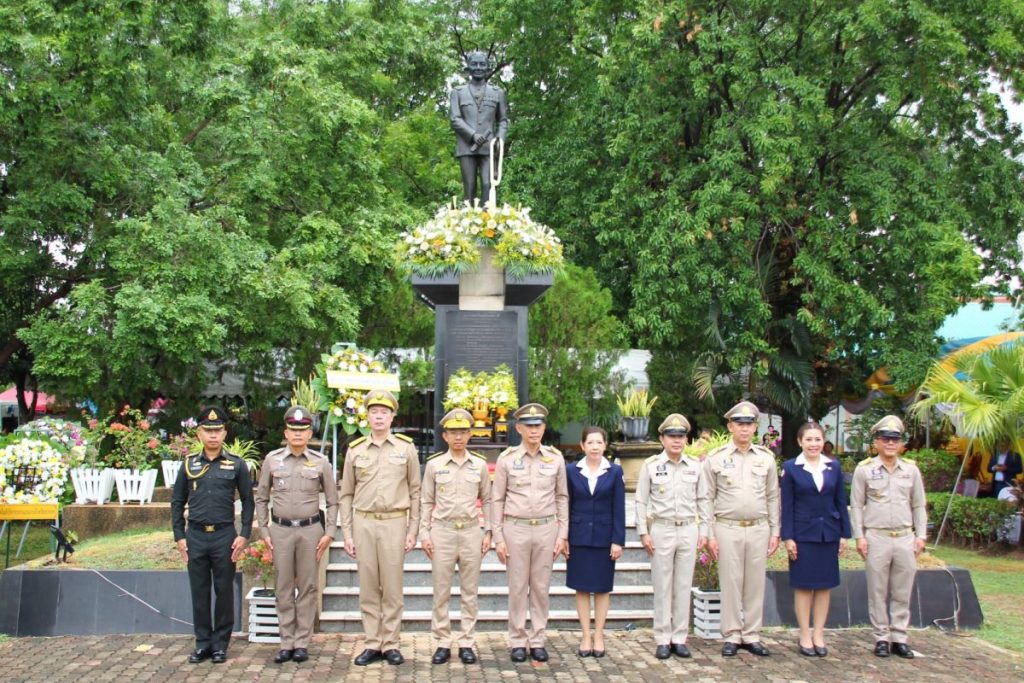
column 756, row 649
column 199, row 655
column 881, row 649
column 902, row 650
column 368, row 657
column 807, row 651
column 821, row 651
column 729, row 649
column 394, row 657
column 441, row 655
column 219, row 657
column 467, row 656
column 300, row 655
column 283, row 656
column 597, row 653
column 680, row 650
column 585, row 653
column 538, row 654
column 663, row 652
column 518, row 654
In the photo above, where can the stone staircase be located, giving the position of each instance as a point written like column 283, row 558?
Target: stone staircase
column 632, row 601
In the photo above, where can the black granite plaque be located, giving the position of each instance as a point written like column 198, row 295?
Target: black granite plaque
column 480, row 340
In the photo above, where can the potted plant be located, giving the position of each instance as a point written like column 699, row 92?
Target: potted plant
column 132, row 451
column 707, row 597
column 635, row 409
column 257, row 564
column 306, row 396
column 176, row 450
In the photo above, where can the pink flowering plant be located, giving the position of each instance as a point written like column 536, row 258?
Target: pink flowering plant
column 127, row 440
column 258, row 563
column 705, row 572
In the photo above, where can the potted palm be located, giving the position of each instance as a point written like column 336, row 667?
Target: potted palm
column 635, row 408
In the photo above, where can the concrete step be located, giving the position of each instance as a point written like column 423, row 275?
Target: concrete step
column 350, row 621
column 492, row 573
column 490, row 598
column 632, row 552
column 631, row 535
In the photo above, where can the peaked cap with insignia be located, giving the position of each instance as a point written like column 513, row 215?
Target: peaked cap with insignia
column 379, row 397
column 298, row 417
column 531, row 414
column 212, row 417
column 744, row 411
column 675, row 425
column 890, row 426
column 458, row 418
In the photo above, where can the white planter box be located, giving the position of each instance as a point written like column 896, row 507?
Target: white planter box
column 92, row 486
column 135, row 486
column 170, row 469
column 263, row 624
column 707, row 613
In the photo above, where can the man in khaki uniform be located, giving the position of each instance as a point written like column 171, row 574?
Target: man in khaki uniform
column 380, row 516
column 890, row 524
column 739, row 516
column 453, row 483
column 666, row 519
column 290, row 482
column 530, row 521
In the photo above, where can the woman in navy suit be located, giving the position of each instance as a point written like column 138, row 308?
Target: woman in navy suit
column 815, row 526
column 597, row 532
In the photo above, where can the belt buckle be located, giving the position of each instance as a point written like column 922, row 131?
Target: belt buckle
column 295, row 522
column 378, row 515
column 678, row 523
column 533, row 522
column 210, row 528
column 746, row 522
column 459, row 525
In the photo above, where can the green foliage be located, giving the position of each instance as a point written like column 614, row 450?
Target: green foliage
column 938, row 468
column 249, row 452
column 418, row 373
column 635, row 403
column 575, row 343
column 972, row 521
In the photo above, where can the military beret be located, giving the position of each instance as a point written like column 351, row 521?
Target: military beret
column 531, row 414
column 212, row 417
column 744, row 411
column 298, row 417
column 890, row 426
column 674, row 425
column 379, row 397
column 458, row 418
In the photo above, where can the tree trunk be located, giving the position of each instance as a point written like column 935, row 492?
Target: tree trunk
column 790, row 425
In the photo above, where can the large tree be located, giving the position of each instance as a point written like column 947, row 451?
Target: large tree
column 192, row 182
column 795, row 190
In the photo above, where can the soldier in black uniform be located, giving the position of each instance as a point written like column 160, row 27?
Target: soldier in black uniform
column 207, row 483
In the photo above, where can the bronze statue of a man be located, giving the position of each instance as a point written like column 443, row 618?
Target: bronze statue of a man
column 479, row 112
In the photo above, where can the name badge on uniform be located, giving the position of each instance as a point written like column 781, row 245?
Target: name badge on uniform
column 195, row 465
column 279, row 466
column 876, row 474
column 663, row 467
column 227, row 466
column 518, row 464
column 728, row 465
column 441, row 472
column 660, row 474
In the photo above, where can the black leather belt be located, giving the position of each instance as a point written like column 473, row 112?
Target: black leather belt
column 208, row 528
column 309, row 521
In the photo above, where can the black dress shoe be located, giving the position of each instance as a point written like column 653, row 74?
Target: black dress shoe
column 199, row 655
column 394, row 657
column 538, row 654
column 807, row 651
column 518, row 654
column 441, row 655
column 597, row 653
column 756, row 649
column 585, row 653
column 821, row 651
column 219, row 657
column 300, row 655
column 368, row 657
column 467, row 656
column 680, row 650
column 729, row 649
column 663, row 652
column 902, row 650
column 283, row 656
column 881, row 649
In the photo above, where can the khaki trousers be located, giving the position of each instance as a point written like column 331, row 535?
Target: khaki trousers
column 742, row 558
column 453, row 547
column 296, row 565
column 675, row 550
column 890, row 567
column 380, row 554
column 529, row 580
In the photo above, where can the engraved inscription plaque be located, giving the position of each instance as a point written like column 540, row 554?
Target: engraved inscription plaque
column 480, row 340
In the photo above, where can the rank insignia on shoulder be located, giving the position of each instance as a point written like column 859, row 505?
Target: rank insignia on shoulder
column 865, row 461
column 404, row 437
column 478, row 455
column 356, row 442
column 431, row 457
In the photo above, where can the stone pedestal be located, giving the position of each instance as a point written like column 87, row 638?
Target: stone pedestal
column 630, row 455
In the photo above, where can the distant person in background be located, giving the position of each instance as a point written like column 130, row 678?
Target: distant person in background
column 1004, row 465
column 597, row 534
column 827, row 449
column 815, row 526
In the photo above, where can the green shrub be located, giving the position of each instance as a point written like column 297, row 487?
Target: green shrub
column 938, row 468
column 972, row 521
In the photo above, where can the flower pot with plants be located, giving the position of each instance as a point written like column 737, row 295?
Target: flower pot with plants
column 635, row 409
column 707, row 598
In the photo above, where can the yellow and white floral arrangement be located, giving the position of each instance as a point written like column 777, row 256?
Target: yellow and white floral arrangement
column 46, row 467
column 344, row 407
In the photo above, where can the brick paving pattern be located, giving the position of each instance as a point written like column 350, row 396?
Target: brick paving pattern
column 157, row 658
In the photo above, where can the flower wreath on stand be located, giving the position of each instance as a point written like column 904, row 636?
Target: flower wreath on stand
column 32, row 471
column 344, row 407
column 450, row 242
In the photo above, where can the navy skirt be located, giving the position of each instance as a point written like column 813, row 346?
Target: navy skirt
column 816, row 565
column 590, row 570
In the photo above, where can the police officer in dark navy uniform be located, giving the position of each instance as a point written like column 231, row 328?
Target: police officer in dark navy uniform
column 207, row 483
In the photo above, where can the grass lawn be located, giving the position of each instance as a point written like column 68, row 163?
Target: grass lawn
column 38, row 543
column 997, row 580
column 136, row 549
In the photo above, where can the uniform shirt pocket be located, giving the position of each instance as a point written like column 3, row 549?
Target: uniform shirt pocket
column 878, row 489
column 309, row 479
column 282, row 481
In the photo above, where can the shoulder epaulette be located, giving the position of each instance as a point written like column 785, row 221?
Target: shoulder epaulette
column 713, row 451
column 865, row 461
column 552, row 448
column 478, row 455
column 431, row 457
column 356, row 442
column 403, row 437
column 506, row 451
column 909, row 460
column 652, row 458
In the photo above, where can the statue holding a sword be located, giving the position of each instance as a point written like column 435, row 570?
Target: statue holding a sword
column 479, row 115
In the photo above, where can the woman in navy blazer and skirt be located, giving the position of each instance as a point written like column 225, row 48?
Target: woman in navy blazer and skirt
column 597, row 532
column 815, row 526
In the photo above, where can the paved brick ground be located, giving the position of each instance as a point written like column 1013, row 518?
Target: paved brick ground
column 630, row 658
